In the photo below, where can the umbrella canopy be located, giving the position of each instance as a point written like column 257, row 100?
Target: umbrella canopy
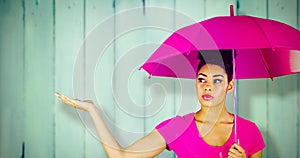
column 264, row 49
column 270, row 47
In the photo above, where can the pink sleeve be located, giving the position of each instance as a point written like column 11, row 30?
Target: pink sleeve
column 165, row 128
column 172, row 129
column 257, row 140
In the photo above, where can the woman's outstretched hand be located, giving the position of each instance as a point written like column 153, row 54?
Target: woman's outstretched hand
column 236, row 151
column 85, row 105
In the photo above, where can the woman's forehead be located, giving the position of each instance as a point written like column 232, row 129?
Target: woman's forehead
column 210, row 69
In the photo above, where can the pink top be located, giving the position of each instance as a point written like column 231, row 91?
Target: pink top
column 182, row 136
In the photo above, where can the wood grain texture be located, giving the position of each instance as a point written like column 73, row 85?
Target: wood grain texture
column 282, row 116
column 69, row 35
column 98, row 70
column 12, row 107
column 39, row 116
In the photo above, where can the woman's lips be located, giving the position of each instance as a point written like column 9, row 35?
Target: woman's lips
column 207, row 97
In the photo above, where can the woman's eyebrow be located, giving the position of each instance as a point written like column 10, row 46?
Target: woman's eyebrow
column 218, row 75
column 202, row 74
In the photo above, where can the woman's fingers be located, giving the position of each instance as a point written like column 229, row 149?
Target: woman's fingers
column 236, row 151
column 66, row 100
column 238, row 147
column 76, row 103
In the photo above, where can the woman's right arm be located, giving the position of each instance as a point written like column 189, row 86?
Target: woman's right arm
column 148, row 146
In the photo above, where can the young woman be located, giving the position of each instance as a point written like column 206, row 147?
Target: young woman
column 206, row 133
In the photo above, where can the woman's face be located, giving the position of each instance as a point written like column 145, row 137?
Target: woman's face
column 212, row 85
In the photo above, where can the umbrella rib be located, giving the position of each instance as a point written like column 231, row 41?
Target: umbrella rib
column 263, row 32
column 266, row 64
column 158, row 62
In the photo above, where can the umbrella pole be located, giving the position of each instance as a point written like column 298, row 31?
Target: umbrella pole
column 234, row 97
column 234, row 85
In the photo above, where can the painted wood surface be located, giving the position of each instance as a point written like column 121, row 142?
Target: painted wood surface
column 69, row 35
column 12, row 110
column 48, row 46
column 39, row 81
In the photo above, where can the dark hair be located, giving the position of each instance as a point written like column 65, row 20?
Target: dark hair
column 222, row 58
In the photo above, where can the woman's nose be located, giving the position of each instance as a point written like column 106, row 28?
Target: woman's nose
column 208, row 88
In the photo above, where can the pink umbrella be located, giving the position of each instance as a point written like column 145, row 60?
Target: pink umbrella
column 261, row 41
column 265, row 48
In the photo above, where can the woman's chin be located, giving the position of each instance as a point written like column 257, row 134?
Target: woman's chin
column 209, row 104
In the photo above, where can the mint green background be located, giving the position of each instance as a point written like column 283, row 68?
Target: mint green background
column 39, row 42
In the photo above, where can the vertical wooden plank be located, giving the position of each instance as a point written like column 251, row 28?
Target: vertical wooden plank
column 252, row 105
column 194, row 9
column 218, row 8
column 12, row 78
column 253, row 8
column 284, row 11
column 39, row 79
column 282, row 117
column 253, row 94
column 97, row 14
column 160, row 92
column 69, row 33
column 103, row 87
column 283, row 93
column 128, row 84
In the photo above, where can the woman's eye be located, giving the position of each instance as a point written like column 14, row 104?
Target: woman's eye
column 201, row 80
column 217, row 81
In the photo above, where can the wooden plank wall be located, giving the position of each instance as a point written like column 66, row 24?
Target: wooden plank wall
column 272, row 104
column 92, row 49
column 12, row 79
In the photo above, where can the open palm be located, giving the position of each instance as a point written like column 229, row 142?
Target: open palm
column 85, row 105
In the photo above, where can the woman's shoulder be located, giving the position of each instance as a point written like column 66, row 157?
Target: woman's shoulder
column 178, row 120
column 186, row 117
column 249, row 135
column 247, row 126
column 244, row 121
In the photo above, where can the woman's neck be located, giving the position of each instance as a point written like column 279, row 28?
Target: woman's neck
column 207, row 118
column 213, row 114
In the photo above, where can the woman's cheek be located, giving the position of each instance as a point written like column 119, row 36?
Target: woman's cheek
column 220, row 91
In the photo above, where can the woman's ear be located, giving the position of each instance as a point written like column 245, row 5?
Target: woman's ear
column 230, row 86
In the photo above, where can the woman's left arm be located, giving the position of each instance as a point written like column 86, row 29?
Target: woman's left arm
column 256, row 155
